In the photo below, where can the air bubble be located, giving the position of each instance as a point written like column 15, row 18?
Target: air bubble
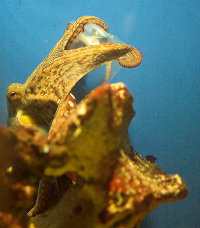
column 94, row 35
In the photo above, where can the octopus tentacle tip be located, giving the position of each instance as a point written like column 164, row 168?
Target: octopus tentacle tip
column 131, row 59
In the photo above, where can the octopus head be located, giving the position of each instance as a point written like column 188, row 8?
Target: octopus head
column 14, row 93
column 14, row 98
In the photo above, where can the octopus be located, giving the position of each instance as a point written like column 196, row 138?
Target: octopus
column 37, row 101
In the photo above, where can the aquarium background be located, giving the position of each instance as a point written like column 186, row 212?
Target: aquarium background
column 166, row 86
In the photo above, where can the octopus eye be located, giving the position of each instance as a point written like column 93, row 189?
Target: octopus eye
column 12, row 94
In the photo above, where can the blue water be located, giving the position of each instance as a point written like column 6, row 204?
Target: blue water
column 166, row 86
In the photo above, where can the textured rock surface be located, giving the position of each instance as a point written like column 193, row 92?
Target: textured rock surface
column 115, row 186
